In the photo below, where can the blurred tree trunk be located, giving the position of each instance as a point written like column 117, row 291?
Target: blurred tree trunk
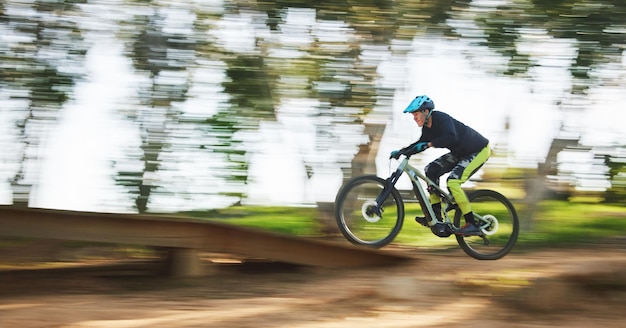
column 536, row 186
column 164, row 56
column 617, row 177
column 21, row 193
column 364, row 162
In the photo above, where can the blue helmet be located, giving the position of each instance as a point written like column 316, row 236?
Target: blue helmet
column 420, row 103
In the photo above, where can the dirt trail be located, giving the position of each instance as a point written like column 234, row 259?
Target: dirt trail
column 578, row 287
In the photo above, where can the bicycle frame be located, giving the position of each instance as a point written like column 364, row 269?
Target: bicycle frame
column 422, row 196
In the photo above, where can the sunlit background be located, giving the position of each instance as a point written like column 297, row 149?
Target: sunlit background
column 163, row 106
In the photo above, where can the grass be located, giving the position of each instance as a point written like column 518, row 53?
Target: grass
column 555, row 223
column 565, row 223
column 300, row 221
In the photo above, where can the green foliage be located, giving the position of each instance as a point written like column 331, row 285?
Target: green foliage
column 249, row 86
column 591, row 24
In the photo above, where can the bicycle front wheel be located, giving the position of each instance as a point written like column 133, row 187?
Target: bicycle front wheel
column 498, row 220
column 361, row 220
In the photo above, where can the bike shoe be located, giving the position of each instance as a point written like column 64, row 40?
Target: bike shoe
column 422, row 220
column 469, row 230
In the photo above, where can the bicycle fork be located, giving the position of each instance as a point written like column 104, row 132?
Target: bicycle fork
column 389, row 185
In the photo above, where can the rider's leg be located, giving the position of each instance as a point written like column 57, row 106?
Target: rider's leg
column 434, row 171
column 465, row 168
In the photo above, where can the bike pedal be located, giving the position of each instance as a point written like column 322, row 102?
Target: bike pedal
column 422, row 220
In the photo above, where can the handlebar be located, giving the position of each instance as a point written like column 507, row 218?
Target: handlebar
column 408, row 156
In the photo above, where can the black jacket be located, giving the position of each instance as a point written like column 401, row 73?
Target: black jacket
column 447, row 132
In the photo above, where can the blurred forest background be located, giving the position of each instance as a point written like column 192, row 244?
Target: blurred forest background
column 192, row 84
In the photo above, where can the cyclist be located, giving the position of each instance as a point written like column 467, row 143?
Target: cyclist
column 469, row 150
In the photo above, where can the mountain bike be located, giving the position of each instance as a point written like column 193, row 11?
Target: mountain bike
column 370, row 211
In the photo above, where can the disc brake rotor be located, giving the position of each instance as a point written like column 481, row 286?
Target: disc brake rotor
column 370, row 212
column 493, row 225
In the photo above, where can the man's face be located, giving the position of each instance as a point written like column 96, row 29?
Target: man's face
column 420, row 118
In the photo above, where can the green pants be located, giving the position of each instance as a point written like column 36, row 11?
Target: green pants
column 461, row 169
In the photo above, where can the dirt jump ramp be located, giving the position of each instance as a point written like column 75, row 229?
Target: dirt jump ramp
column 187, row 235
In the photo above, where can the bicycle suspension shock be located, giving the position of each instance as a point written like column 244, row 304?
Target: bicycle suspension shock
column 390, row 183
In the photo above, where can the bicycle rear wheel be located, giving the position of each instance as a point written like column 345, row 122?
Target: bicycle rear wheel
column 357, row 216
column 498, row 220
